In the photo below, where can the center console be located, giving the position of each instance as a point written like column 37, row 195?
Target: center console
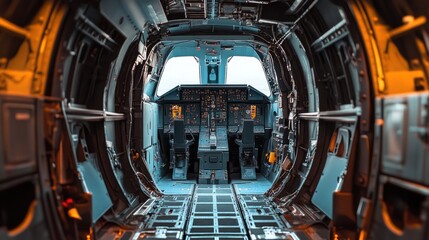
column 213, row 155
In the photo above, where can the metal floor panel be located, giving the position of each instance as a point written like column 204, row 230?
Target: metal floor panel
column 258, row 186
column 175, row 187
column 215, row 213
column 261, row 218
column 169, row 213
column 217, row 238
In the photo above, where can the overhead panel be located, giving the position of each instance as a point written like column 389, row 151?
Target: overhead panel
column 195, row 9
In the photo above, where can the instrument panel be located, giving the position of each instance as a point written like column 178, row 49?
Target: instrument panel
column 228, row 106
column 237, row 95
column 191, row 94
column 192, row 114
column 213, row 106
column 232, row 94
column 239, row 111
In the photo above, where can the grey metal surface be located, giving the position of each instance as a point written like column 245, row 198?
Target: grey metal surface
column 18, row 141
column 150, row 121
column 94, row 182
column 173, row 187
column 330, row 181
column 405, row 137
column 258, row 186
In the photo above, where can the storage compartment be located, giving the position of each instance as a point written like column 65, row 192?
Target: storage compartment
column 406, row 137
column 18, row 140
column 150, row 124
column 21, row 214
column 401, row 210
column 100, row 198
column 333, row 173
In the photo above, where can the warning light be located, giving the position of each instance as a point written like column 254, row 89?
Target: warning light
column 176, row 112
column 253, row 111
column 272, row 158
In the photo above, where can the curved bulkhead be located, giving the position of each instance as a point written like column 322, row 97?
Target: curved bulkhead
column 286, row 119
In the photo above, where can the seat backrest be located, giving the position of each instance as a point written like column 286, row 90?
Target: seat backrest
column 179, row 136
column 248, row 135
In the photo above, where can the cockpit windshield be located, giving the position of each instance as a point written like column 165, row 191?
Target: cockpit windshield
column 178, row 71
column 247, row 70
column 237, row 70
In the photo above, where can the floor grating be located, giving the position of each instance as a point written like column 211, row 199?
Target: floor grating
column 215, row 212
column 261, row 218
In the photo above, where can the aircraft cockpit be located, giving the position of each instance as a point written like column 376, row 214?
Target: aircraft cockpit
column 215, row 93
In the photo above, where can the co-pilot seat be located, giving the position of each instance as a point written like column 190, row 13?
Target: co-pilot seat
column 179, row 151
column 247, row 151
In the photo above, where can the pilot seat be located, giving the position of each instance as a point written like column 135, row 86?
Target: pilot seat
column 247, row 151
column 179, row 151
